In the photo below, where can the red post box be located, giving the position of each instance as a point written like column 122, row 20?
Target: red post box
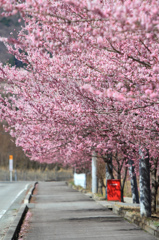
column 114, row 190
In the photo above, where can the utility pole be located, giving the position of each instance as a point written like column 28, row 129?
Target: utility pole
column 11, row 166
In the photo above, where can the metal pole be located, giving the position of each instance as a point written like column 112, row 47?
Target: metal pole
column 11, row 176
column 11, row 166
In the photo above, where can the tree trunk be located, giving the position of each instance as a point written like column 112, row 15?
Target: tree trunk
column 134, row 188
column 109, row 171
column 154, row 186
column 145, row 197
column 123, row 184
column 100, row 188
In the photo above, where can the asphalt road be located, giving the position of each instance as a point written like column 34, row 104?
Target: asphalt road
column 11, row 197
column 9, row 192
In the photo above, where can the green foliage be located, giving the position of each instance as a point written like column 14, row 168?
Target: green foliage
column 156, row 223
column 71, row 182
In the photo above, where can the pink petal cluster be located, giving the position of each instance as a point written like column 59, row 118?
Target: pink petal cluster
column 90, row 79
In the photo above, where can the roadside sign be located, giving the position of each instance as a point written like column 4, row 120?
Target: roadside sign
column 11, row 163
column 113, row 190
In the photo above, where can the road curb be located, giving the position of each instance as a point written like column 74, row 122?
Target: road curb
column 14, row 229
column 142, row 222
column 119, row 209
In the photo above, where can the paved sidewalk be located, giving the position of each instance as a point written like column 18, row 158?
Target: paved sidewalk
column 61, row 213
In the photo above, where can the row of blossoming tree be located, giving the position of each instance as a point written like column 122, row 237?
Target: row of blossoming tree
column 89, row 83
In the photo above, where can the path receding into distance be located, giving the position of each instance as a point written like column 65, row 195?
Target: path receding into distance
column 61, row 213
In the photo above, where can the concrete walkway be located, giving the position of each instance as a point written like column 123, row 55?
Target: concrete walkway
column 62, row 213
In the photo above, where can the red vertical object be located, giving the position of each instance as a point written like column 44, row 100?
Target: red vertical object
column 113, row 190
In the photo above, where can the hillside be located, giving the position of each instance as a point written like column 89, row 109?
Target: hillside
column 7, row 145
column 7, row 26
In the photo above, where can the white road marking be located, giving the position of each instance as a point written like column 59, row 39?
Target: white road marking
column 4, row 211
column 19, row 193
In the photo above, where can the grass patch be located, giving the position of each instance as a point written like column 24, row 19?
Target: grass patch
column 36, row 175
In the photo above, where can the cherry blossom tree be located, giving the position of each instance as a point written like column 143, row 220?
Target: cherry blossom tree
column 90, row 81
